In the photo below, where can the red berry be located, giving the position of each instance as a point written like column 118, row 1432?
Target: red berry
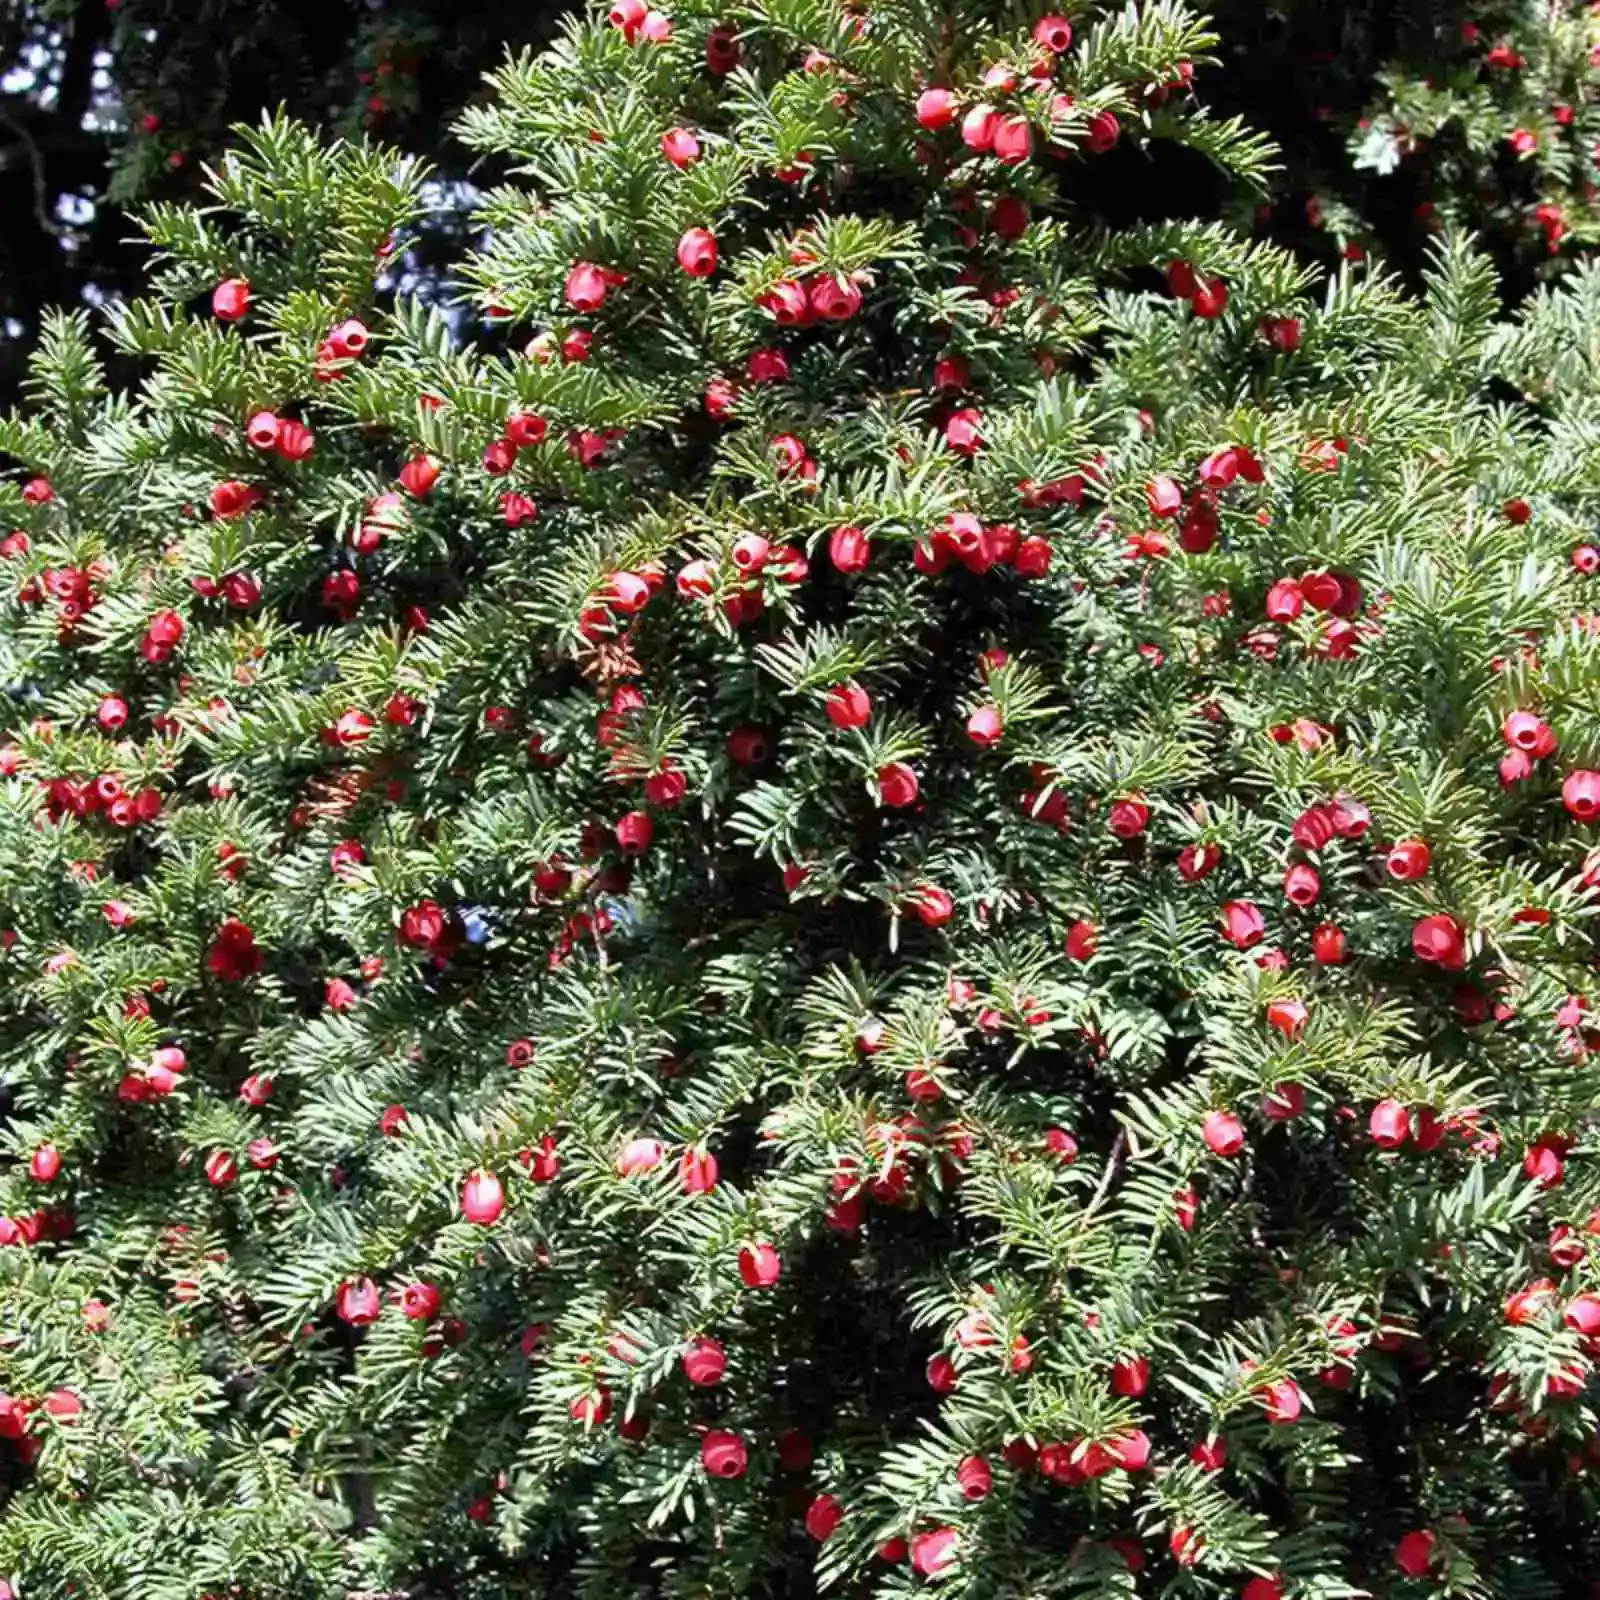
column 230, row 300
column 1242, row 924
column 823, row 1516
column 724, row 1454
column 585, row 287
column 936, row 108
column 849, row 549
column 1223, row 1133
column 759, row 1265
column 704, row 1363
column 1130, row 1375
column 680, row 147
column 483, row 1198
column 697, row 252
column 1414, row 1554
column 1389, row 1124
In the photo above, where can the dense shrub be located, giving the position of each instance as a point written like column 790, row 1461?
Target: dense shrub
column 911, row 906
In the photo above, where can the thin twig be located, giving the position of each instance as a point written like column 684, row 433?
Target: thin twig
column 1113, row 1162
column 41, row 212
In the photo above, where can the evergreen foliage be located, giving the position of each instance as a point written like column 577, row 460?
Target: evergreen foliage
column 1031, row 777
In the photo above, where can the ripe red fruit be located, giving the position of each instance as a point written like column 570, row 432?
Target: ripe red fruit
column 974, row 1478
column 1285, row 601
column 262, row 430
column 233, row 499
column 1033, row 556
column 1242, row 924
column 666, row 787
column 680, row 147
column 1130, row 1375
column 704, row 1362
column 823, row 1515
column 849, row 706
column 1522, row 730
column 1288, row 1017
column 1186, row 1546
column 936, row 108
column 592, row 1409
column 639, row 1155
column 1262, row 1589
column 499, row 457
column 419, row 1301
column 544, row 1164
column 230, row 300
column 1197, row 861
column 418, row 476
column 1408, row 860
column 233, row 955
column 747, row 747
column 1302, row 884
column 348, row 340
column 1128, row 817
column 697, row 1170
column 1164, row 495
column 941, row 1372
column 482, row 1198
column 1567, row 1248
column 1284, row 1401
column 1580, row 794
column 1083, row 939
column 1210, row 1455
column 985, row 726
column 1283, row 1103
column 767, row 366
column 724, row 1454
column 256, row 1090
column 1327, row 944
column 963, row 431
column 849, row 549
column 44, row 1164
column 1544, row 1164
column 1439, row 939
column 759, row 1265
column 936, row 1551
column 1062, row 1145
column 1103, row 131
column 834, row 297
column 1389, row 1124
column 1210, row 299
column 1582, row 1315
column 1351, row 819
column 1181, row 280
column 423, row 924
column 634, row 832
column 933, row 906
column 1414, row 1554
column 586, row 287
column 1531, row 1304
column 1054, row 33
column 1223, row 1133
column 697, row 252
column 1012, row 140
column 898, row 786
column 357, row 1302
